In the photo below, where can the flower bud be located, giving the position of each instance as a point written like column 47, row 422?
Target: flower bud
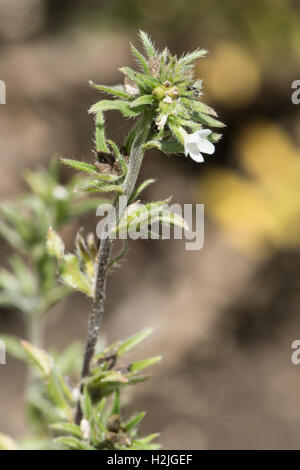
column 159, row 92
column 114, row 423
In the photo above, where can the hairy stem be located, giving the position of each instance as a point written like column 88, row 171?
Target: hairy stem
column 97, row 310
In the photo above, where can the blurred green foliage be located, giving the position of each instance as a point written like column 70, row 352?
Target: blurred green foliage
column 265, row 25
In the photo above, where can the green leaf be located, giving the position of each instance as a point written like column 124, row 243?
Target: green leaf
column 100, row 133
column 209, row 121
column 167, row 147
column 145, row 443
column 140, row 188
column 148, row 44
column 55, row 245
column 141, row 365
column 38, row 358
column 13, row 346
column 81, row 166
column 130, row 138
column 116, row 408
column 116, row 90
column 199, row 107
column 74, row 277
column 134, row 421
column 141, row 59
column 192, row 56
column 119, row 105
column 57, row 396
column 138, row 217
column 97, row 187
column 136, row 379
column 140, row 446
column 133, row 341
column 67, row 393
column 149, row 438
column 143, row 100
column 214, row 138
column 171, row 218
column 87, row 404
column 99, row 415
column 26, row 277
column 68, row 428
column 120, row 256
column 144, row 82
column 74, row 443
column 11, row 236
column 118, row 155
column 113, row 376
column 177, row 131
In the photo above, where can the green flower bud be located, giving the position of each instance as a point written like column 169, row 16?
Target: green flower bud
column 159, row 92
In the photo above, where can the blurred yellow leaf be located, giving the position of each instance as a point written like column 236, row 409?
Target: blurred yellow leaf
column 259, row 210
column 231, row 75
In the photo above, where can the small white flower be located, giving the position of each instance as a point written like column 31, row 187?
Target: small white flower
column 196, row 143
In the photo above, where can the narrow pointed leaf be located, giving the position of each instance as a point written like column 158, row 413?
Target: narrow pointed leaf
column 143, row 100
column 141, row 59
column 134, row 421
column 100, row 140
column 167, row 147
column 74, row 443
column 148, row 44
column 67, row 428
column 117, row 90
column 73, row 277
column 13, row 346
column 118, row 155
column 208, row 120
column 192, row 56
column 141, row 365
column 133, row 341
column 81, row 166
column 141, row 188
column 116, row 408
column 55, row 245
column 38, row 358
column 144, row 82
column 119, row 105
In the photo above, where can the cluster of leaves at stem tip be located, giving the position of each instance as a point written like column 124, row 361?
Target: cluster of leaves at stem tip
column 165, row 86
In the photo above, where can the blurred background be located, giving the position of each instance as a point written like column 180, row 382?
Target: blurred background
column 224, row 316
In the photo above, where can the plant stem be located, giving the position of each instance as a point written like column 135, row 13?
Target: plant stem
column 35, row 335
column 97, row 310
column 35, row 329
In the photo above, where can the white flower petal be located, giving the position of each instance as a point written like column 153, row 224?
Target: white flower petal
column 206, row 147
column 189, row 138
column 197, row 157
column 203, row 133
column 196, row 143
